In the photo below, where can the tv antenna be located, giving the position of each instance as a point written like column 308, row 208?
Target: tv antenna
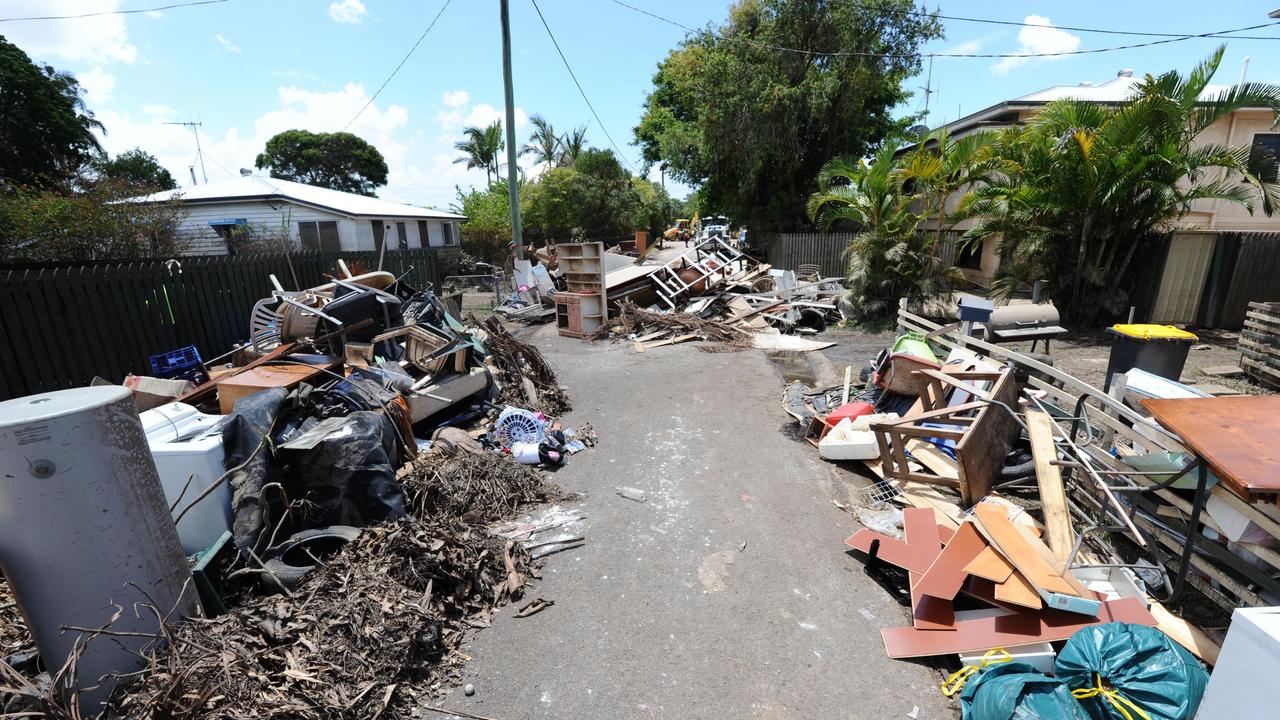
column 195, row 128
column 928, row 86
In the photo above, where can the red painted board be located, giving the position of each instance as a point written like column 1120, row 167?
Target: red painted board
column 1017, row 629
column 928, row 612
column 946, row 575
column 916, row 553
column 892, row 550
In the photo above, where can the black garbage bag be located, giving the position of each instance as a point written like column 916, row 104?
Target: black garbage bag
column 1116, row 667
column 347, row 477
column 1017, row 691
column 248, row 458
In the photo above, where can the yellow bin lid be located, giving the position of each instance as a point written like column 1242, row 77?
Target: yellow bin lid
column 1154, row 332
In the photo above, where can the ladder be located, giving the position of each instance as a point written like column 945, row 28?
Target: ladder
column 711, row 258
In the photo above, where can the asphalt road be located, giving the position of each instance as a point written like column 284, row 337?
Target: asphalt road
column 727, row 593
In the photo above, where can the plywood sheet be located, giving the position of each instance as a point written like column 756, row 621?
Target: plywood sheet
column 1015, row 590
column 946, row 575
column 1017, row 629
column 1016, row 548
column 990, row 565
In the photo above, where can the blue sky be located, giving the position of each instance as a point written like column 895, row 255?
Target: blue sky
column 247, row 69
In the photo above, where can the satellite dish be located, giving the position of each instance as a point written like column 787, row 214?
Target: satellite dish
column 917, row 131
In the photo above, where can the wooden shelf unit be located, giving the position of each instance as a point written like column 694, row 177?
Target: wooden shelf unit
column 582, row 309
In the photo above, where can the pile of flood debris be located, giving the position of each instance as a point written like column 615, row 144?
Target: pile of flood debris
column 335, row 487
column 1073, row 552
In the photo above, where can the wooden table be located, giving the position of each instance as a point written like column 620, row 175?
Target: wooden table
column 1236, row 436
column 1239, row 437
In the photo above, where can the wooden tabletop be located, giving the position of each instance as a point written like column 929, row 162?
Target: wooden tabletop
column 1239, row 436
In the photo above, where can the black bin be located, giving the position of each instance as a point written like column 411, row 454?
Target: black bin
column 1158, row 349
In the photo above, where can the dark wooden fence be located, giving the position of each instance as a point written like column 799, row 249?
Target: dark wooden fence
column 62, row 325
column 826, row 250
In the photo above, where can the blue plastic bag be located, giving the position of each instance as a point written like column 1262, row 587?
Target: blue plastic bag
column 1017, row 691
column 1118, row 668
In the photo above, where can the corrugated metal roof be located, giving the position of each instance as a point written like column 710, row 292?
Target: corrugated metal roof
column 254, row 187
column 1113, row 90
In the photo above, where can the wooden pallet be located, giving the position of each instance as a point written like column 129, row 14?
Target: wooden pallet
column 1260, row 348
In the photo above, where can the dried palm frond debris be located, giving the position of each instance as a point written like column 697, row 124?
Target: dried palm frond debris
column 518, row 361
column 637, row 321
column 368, row 636
column 14, row 638
column 479, row 488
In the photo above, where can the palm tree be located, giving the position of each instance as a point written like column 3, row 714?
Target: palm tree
column 1084, row 187
column 543, row 144
column 483, row 148
column 939, row 167
column 888, row 259
column 572, row 144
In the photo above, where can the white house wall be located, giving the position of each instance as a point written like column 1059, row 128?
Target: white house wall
column 353, row 233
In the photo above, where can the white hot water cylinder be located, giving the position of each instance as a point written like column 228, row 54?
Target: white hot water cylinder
column 84, row 528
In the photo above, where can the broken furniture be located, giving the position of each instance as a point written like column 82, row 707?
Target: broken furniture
column 186, row 446
column 980, row 430
column 712, row 260
column 272, row 376
column 583, row 308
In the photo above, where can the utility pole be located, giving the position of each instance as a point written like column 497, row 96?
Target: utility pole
column 199, row 153
column 513, row 171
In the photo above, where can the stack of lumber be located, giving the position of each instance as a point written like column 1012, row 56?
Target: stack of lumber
column 1260, row 343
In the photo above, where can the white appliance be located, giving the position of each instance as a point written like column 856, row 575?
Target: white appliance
column 186, row 443
column 1243, row 682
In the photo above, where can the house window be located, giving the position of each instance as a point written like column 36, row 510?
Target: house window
column 232, row 231
column 450, row 236
column 321, row 235
column 403, row 234
column 1264, row 156
column 424, row 239
column 379, row 233
column 969, row 255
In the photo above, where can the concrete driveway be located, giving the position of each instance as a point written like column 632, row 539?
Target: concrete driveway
column 727, row 593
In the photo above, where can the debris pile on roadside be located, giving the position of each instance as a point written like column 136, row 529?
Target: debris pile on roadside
column 712, row 292
column 1016, row 508
column 333, row 489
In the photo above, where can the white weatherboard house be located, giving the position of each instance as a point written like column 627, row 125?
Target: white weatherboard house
column 220, row 216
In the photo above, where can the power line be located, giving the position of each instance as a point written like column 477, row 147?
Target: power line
column 114, row 12
column 581, row 92
column 402, row 62
column 1014, row 23
column 819, row 53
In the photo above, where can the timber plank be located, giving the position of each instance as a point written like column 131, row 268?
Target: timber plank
column 990, row 565
column 1016, row 547
column 1053, row 497
column 946, row 575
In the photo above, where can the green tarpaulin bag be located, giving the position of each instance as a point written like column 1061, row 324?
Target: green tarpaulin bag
column 1131, row 672
column 1017, row 691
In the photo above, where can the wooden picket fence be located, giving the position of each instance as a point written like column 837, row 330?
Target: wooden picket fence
column 60, row 326
column 826, row 250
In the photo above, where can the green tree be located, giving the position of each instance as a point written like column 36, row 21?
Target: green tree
column 483, row 148
column 488, row 225
column 48, row 226
column 752, row 125
column 135, row 168
column 46, row 132
column 339, row 161
column 543, row 144
column 1084, row 187
column 889, row 259
column 572, row 144
column 594, row 199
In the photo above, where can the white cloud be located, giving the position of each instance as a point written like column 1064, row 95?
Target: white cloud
column 419, row 155
column 97, row 84
column 1038, row 39
column 456, row 98
column 97, row 39
column 347, row 11
column 226, row 44
column 480, row 115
